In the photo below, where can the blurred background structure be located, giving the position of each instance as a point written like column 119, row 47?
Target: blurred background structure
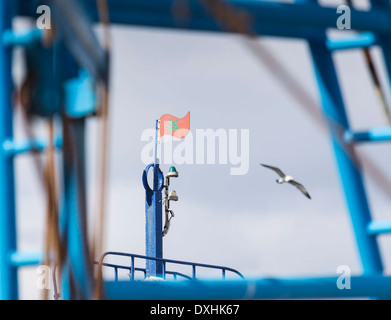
column 76, row 98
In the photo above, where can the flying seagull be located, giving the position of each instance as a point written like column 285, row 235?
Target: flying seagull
column 284, row 178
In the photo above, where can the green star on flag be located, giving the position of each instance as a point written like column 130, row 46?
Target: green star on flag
column 173, row 125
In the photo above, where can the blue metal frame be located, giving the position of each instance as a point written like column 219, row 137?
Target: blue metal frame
column 8, row 273
column 305, row 20
column 350, row 174
column 77, row 269
column 299, row 20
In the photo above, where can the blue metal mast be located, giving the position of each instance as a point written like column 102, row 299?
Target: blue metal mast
column 153, row 214
column 8, row 272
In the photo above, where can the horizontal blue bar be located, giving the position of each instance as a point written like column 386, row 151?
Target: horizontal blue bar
column 21, row 146
column 361, row 40
column 269, row 14
column 167, row 21
column 379, row 227
column 266, row 12
column 11, row 38
column 266, row 288
column 21, row 259
column 373, row 135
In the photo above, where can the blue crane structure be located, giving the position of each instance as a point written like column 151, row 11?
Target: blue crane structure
column 81, row 63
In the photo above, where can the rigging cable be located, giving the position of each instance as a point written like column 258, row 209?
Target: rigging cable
column 375, row 79
column 98, row 240
column 45, row 171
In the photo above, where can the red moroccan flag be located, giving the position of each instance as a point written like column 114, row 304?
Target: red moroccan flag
column 173, row 126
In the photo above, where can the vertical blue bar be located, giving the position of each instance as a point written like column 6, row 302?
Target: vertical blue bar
column 133, row 266
column 156, row 138
column 116, row 274
column 350, row 174
column 154, row 218
column 194, row 271
column 154, row 228
column 8, row 273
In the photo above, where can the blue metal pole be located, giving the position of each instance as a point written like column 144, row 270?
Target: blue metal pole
column 16, row 147
column 379, row 227
column 270, row 18
column 267, row 13
column 153, row 216
column 264, row 288
column 373, row 135
column 8, row 273
column 20, row 259
column 362, row 40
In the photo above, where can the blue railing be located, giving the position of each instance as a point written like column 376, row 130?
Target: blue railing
column 132, row 269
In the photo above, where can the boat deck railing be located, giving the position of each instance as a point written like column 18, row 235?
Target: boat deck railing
column 175, row 274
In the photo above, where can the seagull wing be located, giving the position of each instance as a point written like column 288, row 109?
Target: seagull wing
column 300, row 187
column 279, row 172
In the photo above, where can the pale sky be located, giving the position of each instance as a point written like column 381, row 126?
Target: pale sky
column 247, row 222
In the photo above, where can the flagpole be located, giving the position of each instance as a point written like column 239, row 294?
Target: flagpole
column 153, row 211
column 156, row 141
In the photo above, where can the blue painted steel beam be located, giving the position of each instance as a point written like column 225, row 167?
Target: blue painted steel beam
column 153, row 220
column 206, row 24
column 357, row 41
column 8, row 273
column 10, row 38
column 269, row 18
column 267, row 288
column 373, row 135
column 16, row 147
column 379, row 227
column 22, row 259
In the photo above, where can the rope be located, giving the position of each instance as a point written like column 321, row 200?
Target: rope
column 45, row 171
column 74, row 161
column 375, row 79
column 52, row 241
column 97, row 249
